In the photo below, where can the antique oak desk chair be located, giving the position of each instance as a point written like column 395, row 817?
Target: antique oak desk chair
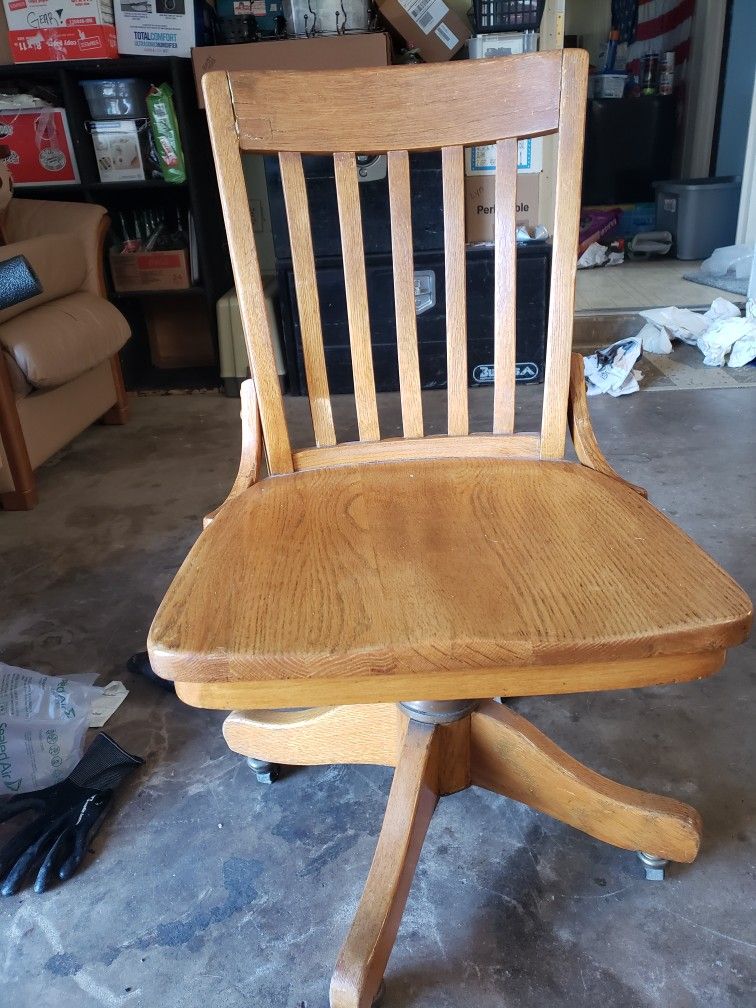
column 394, row 585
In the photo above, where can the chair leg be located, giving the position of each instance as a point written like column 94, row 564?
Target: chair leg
column 23, row 496
column 119, row 411
column 511, row 757
column 412, row 799
column 367, row 733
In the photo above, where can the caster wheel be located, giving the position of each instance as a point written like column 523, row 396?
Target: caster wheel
column 265, row 772
column 653, row 866
column 381, row 993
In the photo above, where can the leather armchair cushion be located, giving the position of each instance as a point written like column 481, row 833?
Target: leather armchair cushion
column 57, row 259
column 56, row 342
column 19, row 384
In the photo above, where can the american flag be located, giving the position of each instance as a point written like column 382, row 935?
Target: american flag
column 663, row 25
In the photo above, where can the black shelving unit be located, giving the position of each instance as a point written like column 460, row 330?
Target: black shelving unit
column 199, row 193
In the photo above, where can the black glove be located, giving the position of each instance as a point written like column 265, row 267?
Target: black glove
column 69, row 815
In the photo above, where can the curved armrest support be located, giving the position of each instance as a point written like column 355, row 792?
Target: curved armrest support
column 581, row 430
column 251, row 450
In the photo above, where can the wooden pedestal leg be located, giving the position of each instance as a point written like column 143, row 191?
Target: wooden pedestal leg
column 511, row 757
column 368, row 733
column 412, row 799
column 119, row 411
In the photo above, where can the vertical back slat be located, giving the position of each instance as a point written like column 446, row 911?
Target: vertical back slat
column 350, row 220
column 564, row 255
column 308, row 302
column 238, row 221
column 505, row 292
column 404, row 293
column 453, row 174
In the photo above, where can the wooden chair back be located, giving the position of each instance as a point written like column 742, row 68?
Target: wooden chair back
column 395, row 111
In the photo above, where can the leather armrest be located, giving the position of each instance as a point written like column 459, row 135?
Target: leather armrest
column 30, row 218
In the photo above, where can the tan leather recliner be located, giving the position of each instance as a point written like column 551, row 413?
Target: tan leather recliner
column 59, row 367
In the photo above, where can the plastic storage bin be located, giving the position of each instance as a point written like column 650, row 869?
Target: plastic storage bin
column 701, row 214
column 609, row 85
column 123, row 98
column 508, row 15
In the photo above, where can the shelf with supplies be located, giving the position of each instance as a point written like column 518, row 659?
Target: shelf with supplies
column 196, row 199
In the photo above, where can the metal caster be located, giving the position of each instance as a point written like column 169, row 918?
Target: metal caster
column 381, row 993
column 265, row 772
column 653, row 866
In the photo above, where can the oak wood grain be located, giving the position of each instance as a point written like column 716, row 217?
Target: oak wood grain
column 236, row 215
column 374, row 110
column 581, row 429
column 453, row 176
column 350, row 220
column 463, row 684
column 250, row 460
column 358, row 583
column 505, row 287
column 511, row 757
column 319, row 735
column 308, row 302
column 412, row 800
column 409, row 449
column 404, row 293
column 564, row 253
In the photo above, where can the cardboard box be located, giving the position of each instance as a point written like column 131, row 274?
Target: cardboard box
column 61, row 29
column 324, row 52
column 482, row 160
column 41, row 152
column 138, row 271
column 118, row 149
column 480, row 205
column 428, row 26
column 164, row 28
column 6, row 55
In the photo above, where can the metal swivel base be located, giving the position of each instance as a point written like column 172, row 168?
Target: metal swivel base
column 265, row 772
column 654, row 866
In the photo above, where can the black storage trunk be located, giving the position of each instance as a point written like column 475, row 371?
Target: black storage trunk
column 533, row 268
column 427, row 205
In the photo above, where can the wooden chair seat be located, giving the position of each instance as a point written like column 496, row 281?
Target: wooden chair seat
column 441, row 579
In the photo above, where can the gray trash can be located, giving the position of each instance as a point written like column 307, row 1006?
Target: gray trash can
column 701, row 214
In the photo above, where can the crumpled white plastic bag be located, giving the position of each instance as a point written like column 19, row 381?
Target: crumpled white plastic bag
column 610, row 369
column 678, row 323
column 744, row 347
column 43, row 720
column 732, row 260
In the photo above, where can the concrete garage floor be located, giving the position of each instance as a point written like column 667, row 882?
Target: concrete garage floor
column 209, row 890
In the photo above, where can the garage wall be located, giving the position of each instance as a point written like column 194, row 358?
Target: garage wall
column 738, row 88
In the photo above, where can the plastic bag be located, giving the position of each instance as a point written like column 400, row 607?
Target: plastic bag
column 165, row 133
column 42, row 724
column 732, row 260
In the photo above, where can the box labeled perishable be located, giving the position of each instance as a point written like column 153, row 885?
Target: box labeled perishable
column 160, row 27
column 40, row 149
column 41, row 30
column 428, row 26
column 138, row 271
column 480, row 205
